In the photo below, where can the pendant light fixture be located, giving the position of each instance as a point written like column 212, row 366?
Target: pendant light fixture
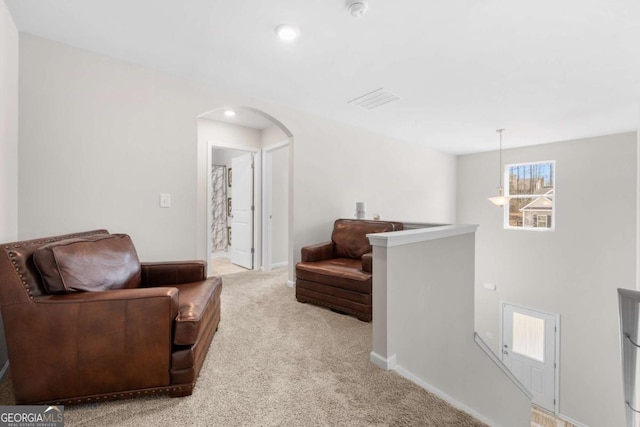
column 500, row 199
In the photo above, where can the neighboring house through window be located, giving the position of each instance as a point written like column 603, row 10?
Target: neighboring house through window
column 531, row 192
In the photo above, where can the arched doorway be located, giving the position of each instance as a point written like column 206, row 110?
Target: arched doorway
column 268, row 141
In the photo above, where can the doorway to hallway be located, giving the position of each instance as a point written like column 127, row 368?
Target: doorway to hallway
column 232, row 204
column 253, row 231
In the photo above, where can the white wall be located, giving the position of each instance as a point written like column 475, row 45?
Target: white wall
column 8, row 127
column 271, row 136
column 79, row 107
column 339, row 166
column 573, row 271
column 99, row 141
column 228, row 135
column 223, row 156
column 423, row 323
column 8, row 141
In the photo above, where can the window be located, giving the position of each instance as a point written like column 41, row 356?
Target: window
column 541, row 220
column 528, row 336
column 531, row 191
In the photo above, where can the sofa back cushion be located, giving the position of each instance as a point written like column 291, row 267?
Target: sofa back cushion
column 100, row 262
column 350, row 236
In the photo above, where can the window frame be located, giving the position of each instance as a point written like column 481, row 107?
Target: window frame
column 509, row 196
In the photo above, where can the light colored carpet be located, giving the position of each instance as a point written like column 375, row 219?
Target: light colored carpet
column 276, row 362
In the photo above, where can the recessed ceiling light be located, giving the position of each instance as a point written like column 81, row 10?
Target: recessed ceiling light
column 229, row 113
column 287, row 32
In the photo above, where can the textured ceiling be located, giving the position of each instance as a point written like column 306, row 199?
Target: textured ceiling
column 545, row 70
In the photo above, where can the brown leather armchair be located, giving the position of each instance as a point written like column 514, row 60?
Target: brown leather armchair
column 85, row 321
column 337, row 274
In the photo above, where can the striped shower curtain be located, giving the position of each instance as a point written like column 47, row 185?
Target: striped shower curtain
column 218, row 209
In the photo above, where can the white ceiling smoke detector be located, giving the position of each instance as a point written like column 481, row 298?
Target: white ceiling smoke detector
column 357, row 8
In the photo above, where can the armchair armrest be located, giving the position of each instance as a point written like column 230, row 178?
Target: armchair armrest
column 112, row 297
column 367, row 262
column 317, row 252
column 172, row 273
column 91, row 342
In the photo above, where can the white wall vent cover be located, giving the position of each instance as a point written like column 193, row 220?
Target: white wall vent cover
column 374, row 99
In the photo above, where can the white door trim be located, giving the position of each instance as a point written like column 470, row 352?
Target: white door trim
column 556, row 408
column 267, row 232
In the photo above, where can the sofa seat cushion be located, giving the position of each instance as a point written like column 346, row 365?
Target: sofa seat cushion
column 345, row 273
column 101, row 262
column 198, row 302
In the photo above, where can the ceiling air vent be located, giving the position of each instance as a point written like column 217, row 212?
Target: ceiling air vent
column 374, row 99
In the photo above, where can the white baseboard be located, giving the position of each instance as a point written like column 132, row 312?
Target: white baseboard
column 291, row 283
column 388, row 364
column 4, row 370
column 279, row 264
column 416, row 380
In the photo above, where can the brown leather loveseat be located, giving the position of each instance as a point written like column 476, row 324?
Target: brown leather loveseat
column 337, row 274
column 85, row 321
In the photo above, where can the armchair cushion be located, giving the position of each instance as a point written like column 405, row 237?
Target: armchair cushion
column 350, row 236
column 100, row 262
column 345, row 273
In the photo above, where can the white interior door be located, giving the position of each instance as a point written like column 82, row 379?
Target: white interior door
column 242, row 210
column 275, row 205
column 267, row 230
column 529, row 351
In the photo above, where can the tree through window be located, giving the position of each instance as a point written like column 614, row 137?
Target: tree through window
column 530, row 190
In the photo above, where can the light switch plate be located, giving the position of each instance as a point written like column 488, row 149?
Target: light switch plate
column 165, row 200
column 490, row 286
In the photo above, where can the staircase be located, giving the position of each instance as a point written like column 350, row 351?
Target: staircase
column 542, row 418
